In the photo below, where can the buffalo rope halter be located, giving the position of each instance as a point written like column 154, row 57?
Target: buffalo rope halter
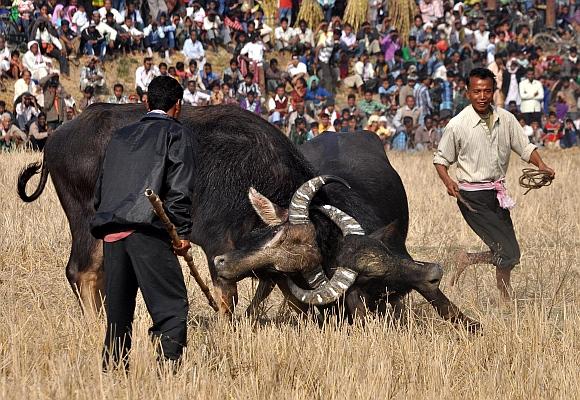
column 534, row 179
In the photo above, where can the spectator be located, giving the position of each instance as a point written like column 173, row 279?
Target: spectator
column 253, row 54
column 278, row 105
column 228, row 94
column 24, row 85
column 194, row 97
column 26, row 111
column 368, row 39
column 234, row 75
column 144, row 75
column 71, row 41
column 424, row 135
column 400, row 140
column 107, row 32
column 208, row 77
column 38, row 65
column 193, row 50
column 155, row 40
column 133, row 13
column 216, row 95
column 304, row 34
column 298, row 112
column 570, row 135
column 552, row 131
column 10, row 136
column 408, row 110
column 511, row 83
column 5, row 61
column 131, row 37
column 537, row 133
column 299, row 134
column 88, row 98
column 348, row 42
column 296, row 69
column 313, row 132
column 251, row 103
column 39, row 132
column 316, row 95
column 92, row 75
column 286, row 38
column 95, row 43
column 285, row 11
column 47, row 38
column 423, row 98
column 108, row 8
column 369, row 106
column 532, row 95
column 324, row 124
column 326, row 68
column 80, row 20
column 192, row 74
column 118, row 97
column 274, row 76
column 248, row 86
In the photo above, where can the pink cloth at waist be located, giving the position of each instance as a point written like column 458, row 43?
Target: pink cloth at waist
column 115, row 237
column 504, row 199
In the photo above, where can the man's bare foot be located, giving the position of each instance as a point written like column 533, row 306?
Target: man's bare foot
column 503, row 276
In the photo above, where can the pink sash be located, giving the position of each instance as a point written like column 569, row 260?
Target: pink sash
column 505, row 201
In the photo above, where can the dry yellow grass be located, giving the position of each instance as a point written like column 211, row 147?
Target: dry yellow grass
column 49, row 350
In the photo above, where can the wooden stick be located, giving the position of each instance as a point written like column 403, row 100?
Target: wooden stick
column 158, row 207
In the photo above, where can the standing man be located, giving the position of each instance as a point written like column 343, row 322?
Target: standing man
column 157, row 153
column 479, row 139
column 532, row 95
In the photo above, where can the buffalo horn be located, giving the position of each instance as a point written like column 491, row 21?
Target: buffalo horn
column 328, row 292
column 298, row 210
column 347, row 224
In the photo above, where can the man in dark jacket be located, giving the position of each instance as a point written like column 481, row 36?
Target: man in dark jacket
column 157, row 153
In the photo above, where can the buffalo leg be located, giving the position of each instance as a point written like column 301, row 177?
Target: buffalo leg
column 90, row 282
column 264, row 289
column 299, row 307
column 356, row 301
column 449, row 311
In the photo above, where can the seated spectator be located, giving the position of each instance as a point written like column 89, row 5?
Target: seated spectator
column 39, row 132
column 251, row 103
column 193, row 50
column 192, row 74
column 118, row 97
column 331, row 111
column 569, row 135
column 296, row 69
column 49, row 44
column 298, row 112
column 552, row 130
column 11, row 137
column 314, row 131
column 370, row 106
column 423, row 135
column 299, row 134
column 131, row 37
column 71, row 41
column 216, row 95
column 26, row 111
column 16, row 66
column 285, row 37
column 324, row 124
column 316, row 96
column 304, row 34
column 88, row 98
column 373, row 124
column 38, row 65
column 384, row 131
column 234, row 74
column 278, row 105
column 144, row 75
column 408, row 110
column 169, row 31
column 274, row 76
column 348, row 43
column 229, row 96
column 368, row 39
column 95, row 42
column 5, row 61
column 108, row 8
column 364, row 68
column 194, row 97
column 80, row 20
column 133, row 13
column 354, row 110
column 248, row 86
column 528, row 130
column 155, row 40
column 216, row 31
column 92, row 75
column 400, row 140
column 262, row 29
column 24, row 85
column 537, row 133
column 163, row 70
column 208, row 77
column 299, row 93
column 109, row 33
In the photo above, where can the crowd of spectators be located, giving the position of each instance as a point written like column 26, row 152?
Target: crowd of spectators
column 405, row 89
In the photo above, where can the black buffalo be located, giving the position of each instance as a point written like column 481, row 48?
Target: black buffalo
column 371, row 263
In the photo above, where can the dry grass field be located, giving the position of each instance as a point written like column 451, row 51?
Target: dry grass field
column 531, row 350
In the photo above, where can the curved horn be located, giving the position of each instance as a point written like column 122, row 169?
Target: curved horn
column 328, row 292
column 347, row 224
column 298, row 211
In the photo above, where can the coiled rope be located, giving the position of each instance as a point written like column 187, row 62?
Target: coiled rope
column 534, row 179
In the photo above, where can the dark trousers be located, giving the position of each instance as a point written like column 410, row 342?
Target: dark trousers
column 147, row 262
column 493, row 225
column 533, row 116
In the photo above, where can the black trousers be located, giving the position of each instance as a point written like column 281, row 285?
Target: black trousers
column 493, row 225
column 147, row 262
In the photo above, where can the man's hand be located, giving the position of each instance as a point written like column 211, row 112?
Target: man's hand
column 543, row 167
column 183, row 248
column 452, row 188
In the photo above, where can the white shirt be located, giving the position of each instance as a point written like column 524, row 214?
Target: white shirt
column 21, row 87
column 255, row 52
column 116, row 14
column 193, row 50
column 365, row 71
column 305, row 37
column 143, row 78
column 481, row 40
column 285, row 36
column 298, row 69
column 194, row 98
column 531, row 103
column 481, row 155
column 80, row 20
column 349, row 40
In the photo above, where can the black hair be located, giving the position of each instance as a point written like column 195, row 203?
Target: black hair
column 163, row 93
column 407, row 120
column 250, row 75
column 118, row 85
column 481, row 73
column 284, row 19
column 162, row 64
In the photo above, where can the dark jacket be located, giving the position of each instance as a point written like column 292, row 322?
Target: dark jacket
column 155, row 153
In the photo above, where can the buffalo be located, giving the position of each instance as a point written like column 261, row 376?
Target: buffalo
column 238, row 150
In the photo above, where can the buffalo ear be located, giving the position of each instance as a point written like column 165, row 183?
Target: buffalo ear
column 388, row 234
column 270, row 213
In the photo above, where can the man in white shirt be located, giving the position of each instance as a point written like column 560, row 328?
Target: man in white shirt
column 480, row 140
column 532, row 95
column 108, row 8
column 286, row 38
column 481, row 37
column 193, row 50
column 254, row 52
column 194, row 97
column 304, row 34
column 297, row 69
column 348, row 42
column 4, row 56
column 135, row 35
column 144, row 75
column 38, row 65
column 26, row 110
